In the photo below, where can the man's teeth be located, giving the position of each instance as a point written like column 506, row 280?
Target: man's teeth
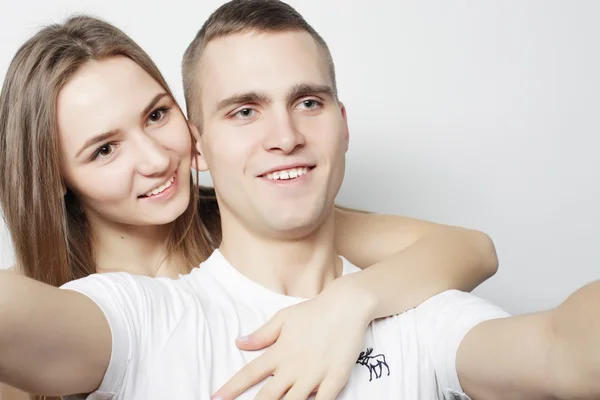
column 287, row 174
column 161, row 188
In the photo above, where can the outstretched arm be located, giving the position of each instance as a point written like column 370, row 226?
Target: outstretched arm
column 11, row 393
column 406, row 260
column 8, row 392
column 548, row 355
column 52, row 341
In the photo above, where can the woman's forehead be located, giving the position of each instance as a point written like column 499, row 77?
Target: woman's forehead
column 103, row 95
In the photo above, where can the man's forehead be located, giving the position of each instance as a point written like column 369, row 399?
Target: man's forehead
column 234, row 44
column 261, row 63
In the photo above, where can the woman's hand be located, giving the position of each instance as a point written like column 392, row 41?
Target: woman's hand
column 313, row 346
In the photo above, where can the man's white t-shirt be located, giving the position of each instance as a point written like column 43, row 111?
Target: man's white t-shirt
column 175, row 339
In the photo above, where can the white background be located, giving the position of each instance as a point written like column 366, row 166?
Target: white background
column 477, row 113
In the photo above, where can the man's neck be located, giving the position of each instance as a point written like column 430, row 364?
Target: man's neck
column 139, row 250
column 299, row 267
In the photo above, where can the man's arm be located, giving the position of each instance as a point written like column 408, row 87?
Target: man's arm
column 548, row 355
column 52, row 341
column 410, row 260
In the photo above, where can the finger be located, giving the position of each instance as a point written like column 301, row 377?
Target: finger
column 274, row 389
column 264, row 336
column 302, row 389
column 331, row 387
column 250, row 374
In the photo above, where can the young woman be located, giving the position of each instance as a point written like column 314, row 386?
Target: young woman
column 86, row 164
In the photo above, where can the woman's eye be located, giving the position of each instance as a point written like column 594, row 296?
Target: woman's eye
column 105, row 150
column 157, row 115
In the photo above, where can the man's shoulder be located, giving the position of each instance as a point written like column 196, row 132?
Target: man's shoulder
column 451, row 310
column 453, row 313
column 459, row 300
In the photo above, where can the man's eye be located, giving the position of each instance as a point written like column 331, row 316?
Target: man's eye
column 310, row 104
column 245, row 112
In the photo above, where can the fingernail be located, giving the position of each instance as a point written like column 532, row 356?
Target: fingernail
column 216, row 398
column 241, row 339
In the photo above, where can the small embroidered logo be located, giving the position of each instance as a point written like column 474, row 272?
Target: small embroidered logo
column 374, row 363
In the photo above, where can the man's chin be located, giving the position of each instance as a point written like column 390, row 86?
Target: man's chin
column 295, row 226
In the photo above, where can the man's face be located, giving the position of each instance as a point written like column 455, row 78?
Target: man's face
column 273, row 135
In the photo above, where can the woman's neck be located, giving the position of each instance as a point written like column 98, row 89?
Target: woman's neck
column 138, row 250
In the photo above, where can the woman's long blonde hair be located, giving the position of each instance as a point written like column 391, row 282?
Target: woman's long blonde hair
column 49, row 231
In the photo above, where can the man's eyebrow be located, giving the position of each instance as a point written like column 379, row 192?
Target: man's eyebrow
column 299, row 90
column 307, row 89
column 96, row 139
column 241, row 98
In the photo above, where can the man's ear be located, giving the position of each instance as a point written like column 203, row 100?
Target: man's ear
column 346, row 130
column 198, row 160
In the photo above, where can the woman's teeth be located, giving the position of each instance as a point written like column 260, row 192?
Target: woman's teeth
column 287, row 174
column 161, row 188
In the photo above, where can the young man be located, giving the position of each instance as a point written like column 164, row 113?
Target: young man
column 260, row 84
column 274, row 136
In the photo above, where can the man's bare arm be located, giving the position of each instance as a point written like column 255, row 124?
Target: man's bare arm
column 549, row 355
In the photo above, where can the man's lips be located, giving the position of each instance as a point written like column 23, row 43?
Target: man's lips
column 287, row 168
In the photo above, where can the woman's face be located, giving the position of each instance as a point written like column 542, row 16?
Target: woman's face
column 125, row 145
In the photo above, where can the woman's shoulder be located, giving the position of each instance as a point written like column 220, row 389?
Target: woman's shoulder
column 16, row 271
column 10, row 393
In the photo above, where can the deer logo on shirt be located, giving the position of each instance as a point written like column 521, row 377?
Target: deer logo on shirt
column 373, row 363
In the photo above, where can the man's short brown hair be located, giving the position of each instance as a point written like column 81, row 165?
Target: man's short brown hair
column 239, row 16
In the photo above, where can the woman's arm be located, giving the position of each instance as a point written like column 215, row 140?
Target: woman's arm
column 10, row 393
column 52, row 341
column 406, row 261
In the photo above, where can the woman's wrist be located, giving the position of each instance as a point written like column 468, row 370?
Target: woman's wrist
column 356, row 297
